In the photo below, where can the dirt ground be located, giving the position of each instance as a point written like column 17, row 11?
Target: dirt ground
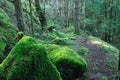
column 97, row 62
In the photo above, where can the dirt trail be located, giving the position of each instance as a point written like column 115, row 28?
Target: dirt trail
column 97, row 61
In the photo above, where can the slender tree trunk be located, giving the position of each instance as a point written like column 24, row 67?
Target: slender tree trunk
column 19, row 14
column 66, row 12
column 41, row 14
column 30, row 2
column 77, row 27
column 119, row 64
column 83, row 13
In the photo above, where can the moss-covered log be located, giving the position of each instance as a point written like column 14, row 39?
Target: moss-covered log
column 69, row 63
column 28, row 61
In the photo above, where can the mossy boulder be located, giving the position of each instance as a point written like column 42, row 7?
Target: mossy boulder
column 28, row 61
column 69, row 63
column 51, row 47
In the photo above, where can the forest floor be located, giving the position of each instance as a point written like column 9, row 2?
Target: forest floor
column 97, row 60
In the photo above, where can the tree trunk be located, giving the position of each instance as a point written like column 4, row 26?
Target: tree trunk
column 77, row 27
column 19, row 15
column 82, row 13
column 119, row 61
column 66, row 13
column 32, row 29
column 41, row 14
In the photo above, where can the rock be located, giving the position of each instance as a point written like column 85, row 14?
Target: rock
column 28, row 61
column 51, row 47
column 69, row 63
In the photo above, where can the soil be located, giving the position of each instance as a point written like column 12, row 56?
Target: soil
column 97, row 62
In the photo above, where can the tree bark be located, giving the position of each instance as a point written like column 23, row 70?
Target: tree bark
column 32, row 29
column 66, row 13
column 41, row 14
column 76, row 23
column 82, row 13
column 119, row 61
column 19, row 14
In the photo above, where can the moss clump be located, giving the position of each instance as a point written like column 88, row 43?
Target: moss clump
column 68, row 62
column 20, row 33
column 51, row 47
column 83, row 51
column 19, row 36
column 28, row 61
column 59, row 38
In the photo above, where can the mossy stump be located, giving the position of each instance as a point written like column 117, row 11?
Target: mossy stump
column 28, row 61
column 69, row 63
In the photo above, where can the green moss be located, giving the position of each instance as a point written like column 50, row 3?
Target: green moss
column 7, row 5
column 69, row 29
column 103, row 45
column 27, row 17
column 69, row 63
column 83, row 51
column 111, row 52
column 21, row 33
column 28, row 61
column 104, row 78
column 51, row 47
column 19, row 36
column 106, row 47
column 3, row 16
column 60, row 38
column 4, row 19
column 7, row 31
column 2, row 46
